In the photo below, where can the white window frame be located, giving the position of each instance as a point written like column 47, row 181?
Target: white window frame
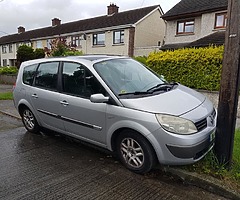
column 4, row 49
column 76, row 41
column 39, row 44
column 10, row 48
column 119, row 40
column 97, row 37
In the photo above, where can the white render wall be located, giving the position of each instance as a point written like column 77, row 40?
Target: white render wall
column 204, row 25
column 171, row 32
column 108, row 48
column 150, row 31
column 8, row 56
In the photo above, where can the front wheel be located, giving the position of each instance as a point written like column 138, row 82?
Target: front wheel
column 135, row 152
column 29, row 121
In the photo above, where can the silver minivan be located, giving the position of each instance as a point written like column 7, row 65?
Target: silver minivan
column 118, row 104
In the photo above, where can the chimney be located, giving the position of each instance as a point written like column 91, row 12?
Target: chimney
column 21, row 29
column 112, row 9
column 56, row 22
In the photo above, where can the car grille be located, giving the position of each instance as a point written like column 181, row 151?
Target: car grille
column 213, row 113
column 202, row 124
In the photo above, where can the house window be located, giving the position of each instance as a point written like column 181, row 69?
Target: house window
column 118, row 37
column 4, row 49
column 49, row 43
column 39, row 45
column 185, row 27
column 10, row 48
column 99, row 39
column 76, row 41
column 4, row 62
column 221, row 20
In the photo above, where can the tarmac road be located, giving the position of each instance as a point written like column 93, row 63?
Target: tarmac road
column 53, row 167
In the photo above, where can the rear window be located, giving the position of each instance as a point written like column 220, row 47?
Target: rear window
column 28, row 74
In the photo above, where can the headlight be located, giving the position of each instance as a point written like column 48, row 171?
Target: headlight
column 176, row 124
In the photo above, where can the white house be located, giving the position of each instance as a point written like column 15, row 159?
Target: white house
column 195, row 23
column 132, row 33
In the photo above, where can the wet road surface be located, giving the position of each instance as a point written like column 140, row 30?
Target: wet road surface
column 54, row 167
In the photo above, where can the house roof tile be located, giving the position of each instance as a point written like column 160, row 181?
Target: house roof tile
column 118, row 19
column 194, row 7
column 217, row 38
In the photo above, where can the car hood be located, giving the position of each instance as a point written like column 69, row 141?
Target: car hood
column 177, row 101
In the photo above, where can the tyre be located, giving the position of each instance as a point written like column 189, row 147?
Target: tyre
column 29, row 121
column 135, row 152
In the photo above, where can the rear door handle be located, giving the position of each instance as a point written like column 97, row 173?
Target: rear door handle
column 65, row 103
column 35, row 96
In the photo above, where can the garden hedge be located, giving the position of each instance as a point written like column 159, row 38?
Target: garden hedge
column 9, row 70
column 198, row 68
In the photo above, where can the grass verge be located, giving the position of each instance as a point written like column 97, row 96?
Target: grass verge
column 6, row 96
column 210, row 166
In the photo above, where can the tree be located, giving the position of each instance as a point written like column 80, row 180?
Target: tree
column 59, row 47
column 24, row 53
column 39, row 53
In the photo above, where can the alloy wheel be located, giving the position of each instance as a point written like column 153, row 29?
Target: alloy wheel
column 132, row 152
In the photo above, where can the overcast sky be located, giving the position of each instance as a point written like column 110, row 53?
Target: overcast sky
column 33, row 14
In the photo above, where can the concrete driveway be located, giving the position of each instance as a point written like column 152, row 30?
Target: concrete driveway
column 54, row 167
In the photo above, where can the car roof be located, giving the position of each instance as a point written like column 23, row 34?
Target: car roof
column 85, row 58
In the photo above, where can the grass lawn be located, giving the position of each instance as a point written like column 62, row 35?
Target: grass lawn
column 210, row 166
column 236, row 156
column 6, row 96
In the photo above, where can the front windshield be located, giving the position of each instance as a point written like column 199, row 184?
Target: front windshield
column 125, row 76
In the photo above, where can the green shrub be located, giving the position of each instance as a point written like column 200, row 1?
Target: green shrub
column 8, row 70
column 24, row 53
column 196, row 68
column 39, row 53
column 73, row 53
column 141, row 59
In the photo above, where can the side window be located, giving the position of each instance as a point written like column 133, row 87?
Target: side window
column 79, row 81
column 28, row 74
column 47, row 75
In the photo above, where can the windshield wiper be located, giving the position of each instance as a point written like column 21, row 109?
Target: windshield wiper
column 162, row 86
column 135, row 93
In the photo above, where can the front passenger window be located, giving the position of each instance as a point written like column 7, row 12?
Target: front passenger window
column 79, row 81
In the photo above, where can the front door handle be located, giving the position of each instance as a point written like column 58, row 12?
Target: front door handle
column 65, row 103
column 35, row 96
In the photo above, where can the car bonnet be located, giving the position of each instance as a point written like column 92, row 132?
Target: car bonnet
column 174, row 102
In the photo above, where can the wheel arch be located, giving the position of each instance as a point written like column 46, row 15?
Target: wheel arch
column 25, row 104
column 117, row 132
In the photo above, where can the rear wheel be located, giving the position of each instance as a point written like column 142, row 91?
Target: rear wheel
column 135, row 152
column 30, row 121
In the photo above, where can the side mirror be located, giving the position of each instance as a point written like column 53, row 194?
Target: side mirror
column 99, row 98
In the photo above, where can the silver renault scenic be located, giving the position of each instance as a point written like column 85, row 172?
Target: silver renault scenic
column 118, row 104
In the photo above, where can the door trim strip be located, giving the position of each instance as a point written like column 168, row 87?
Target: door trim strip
column 95, row 127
